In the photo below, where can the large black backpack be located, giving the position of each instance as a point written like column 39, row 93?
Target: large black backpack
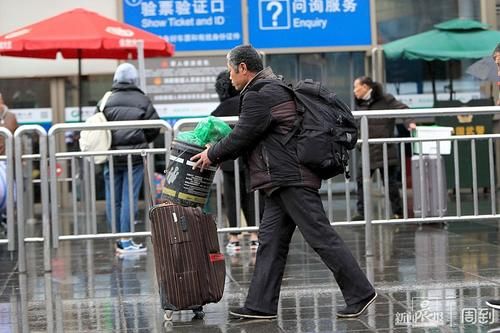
column 325, row 128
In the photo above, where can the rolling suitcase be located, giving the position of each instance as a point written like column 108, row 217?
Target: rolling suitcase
column 433, row 195
column 189, row 265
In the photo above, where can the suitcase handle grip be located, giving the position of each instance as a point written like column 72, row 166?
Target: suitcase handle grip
column 183, row 223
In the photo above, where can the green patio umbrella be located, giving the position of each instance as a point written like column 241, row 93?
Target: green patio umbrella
column 450, row 40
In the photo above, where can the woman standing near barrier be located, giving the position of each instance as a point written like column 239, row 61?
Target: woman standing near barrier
column 369, row 95
column 127, row 102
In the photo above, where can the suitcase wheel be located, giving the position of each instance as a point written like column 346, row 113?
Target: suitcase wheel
column 199, row 313
column 168, row 326
column 168, row 315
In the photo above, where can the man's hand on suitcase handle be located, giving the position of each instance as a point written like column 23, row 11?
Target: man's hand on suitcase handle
column 202, row 160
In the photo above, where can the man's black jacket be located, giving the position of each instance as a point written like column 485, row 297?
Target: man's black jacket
column 267, row 114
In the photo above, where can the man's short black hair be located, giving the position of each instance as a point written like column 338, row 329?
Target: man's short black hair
column 245, row 54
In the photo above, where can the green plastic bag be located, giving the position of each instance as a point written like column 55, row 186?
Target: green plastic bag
column 207, row 131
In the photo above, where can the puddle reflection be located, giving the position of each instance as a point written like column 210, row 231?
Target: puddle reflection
column 427, row 271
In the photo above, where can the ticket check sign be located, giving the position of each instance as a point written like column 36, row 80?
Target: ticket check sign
column 191, row 25
column 309, row 23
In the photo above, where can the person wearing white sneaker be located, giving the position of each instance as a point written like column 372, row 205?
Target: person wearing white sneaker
column 126, row 102
column 234, row 244
column 233, row 247
column 124, row 246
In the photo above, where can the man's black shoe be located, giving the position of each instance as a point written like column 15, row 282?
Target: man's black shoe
column 355, row 310
column 250, row 314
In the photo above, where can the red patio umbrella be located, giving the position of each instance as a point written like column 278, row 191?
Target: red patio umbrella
column 82, row 34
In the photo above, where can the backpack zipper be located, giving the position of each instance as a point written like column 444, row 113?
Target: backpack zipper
column 266, row 160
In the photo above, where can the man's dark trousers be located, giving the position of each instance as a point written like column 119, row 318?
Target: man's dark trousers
column 286, row 208
column 394, row 186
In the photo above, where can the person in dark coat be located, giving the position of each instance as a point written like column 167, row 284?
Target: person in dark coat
column 127, row 102
column 369, row 95
column 267, row 114
column 230, row 106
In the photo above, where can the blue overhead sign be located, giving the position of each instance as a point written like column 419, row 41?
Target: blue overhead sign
column 191, row 25
column 309, row 23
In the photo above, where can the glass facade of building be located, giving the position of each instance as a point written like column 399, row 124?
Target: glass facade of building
column 336, row 70
column 26, row 93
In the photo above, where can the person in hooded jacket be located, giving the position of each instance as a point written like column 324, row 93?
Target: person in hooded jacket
column 127, row 102
column 369, row 95
column 230, row 106
column 267, row 114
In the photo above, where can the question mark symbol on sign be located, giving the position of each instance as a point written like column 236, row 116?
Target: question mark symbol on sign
column 279, row 9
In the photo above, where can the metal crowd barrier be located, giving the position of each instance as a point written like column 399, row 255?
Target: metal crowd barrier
column 347, row 185
column 365, row 160
column 338, row 189
column 89, row 174
column 20, row 159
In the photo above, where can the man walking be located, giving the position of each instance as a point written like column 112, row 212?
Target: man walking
column 267, row 114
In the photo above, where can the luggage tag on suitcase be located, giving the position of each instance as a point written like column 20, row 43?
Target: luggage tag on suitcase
column 183, row 221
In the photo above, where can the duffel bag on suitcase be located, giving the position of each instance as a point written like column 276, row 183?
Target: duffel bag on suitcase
column 189, row 265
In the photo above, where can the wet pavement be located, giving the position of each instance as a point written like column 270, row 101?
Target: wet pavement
column 429, row 279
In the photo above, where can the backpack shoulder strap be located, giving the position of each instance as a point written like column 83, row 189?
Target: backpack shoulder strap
column 259, row 84
column 300, row 109
column 300, row 114
column 296, row 123
column 104, row 100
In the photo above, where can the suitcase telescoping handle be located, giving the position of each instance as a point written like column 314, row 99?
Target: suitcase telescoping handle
column 147, row 184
